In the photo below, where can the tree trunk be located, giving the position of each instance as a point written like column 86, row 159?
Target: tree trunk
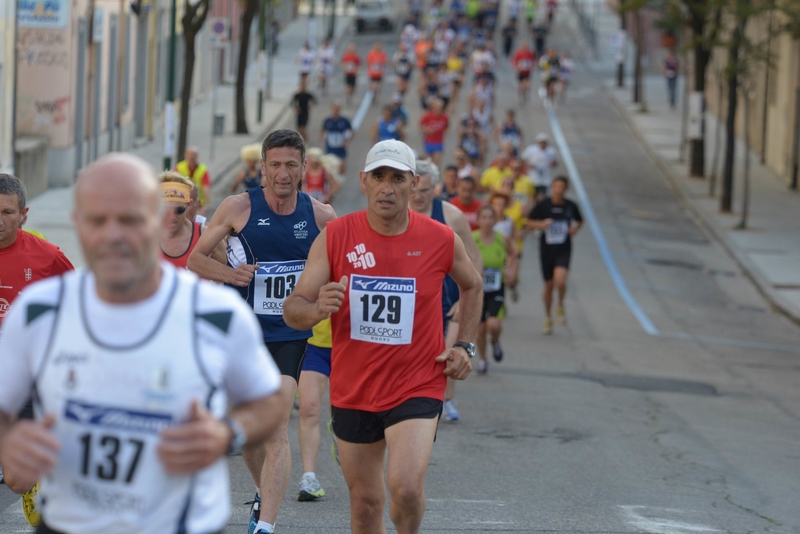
column 697, row 151
column 746, row 191
column 726, row 203
column 638, row 90
column 186, row 89
column 712, row 187
column 702, row 57
column 251, row 9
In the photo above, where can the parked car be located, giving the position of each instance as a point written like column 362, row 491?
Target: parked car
column 375, row 14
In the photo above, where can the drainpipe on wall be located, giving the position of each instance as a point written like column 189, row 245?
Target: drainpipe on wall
column 13, row 7
column 766, row 90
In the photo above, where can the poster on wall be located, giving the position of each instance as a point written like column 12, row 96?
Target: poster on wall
column 43, row 14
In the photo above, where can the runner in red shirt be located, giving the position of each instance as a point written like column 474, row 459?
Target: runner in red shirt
column 434, row 125
column 351, row 61
column 465, row 201
column 389, row 363
column 376, row 66
column 523, row 61
column 24, row 258
column 180, row 234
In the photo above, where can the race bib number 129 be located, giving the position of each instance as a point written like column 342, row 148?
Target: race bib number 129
column 273, row 282
column 382, row 309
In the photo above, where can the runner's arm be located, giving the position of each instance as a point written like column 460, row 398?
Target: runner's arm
column 219, row 253
column 323, row 212
column 470, row 287
column 315, row 297
column 458, row 222
column 221, row 225
column 334, row 187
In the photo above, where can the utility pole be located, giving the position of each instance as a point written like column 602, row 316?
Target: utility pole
column 262, row 57
column 271, row 49
column 332, row 25
column 621, row 49
column 169, row 108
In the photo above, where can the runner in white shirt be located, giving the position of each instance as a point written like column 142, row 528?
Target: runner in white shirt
column 132, row 364
column 541, row 159
column 325, row 62
column 305, row 60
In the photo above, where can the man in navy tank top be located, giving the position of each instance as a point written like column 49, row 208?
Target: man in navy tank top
column 423, row 200
column 270, row 230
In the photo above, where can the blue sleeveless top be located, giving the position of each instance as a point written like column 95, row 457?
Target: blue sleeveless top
column 450, row 292
column 279, row 244
column 251, row 181
column 387, row 130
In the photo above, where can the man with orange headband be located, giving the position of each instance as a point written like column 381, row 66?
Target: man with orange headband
column 181, row 234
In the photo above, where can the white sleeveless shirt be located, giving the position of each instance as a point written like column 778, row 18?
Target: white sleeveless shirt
column 111, row 402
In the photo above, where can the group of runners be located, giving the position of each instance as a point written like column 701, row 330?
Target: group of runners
column 386, row 307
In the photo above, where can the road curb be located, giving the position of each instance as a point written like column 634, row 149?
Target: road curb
column 745, row 265
column 225, row 175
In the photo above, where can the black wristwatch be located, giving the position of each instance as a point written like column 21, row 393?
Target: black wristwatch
column 239, row 436
column 469, row 347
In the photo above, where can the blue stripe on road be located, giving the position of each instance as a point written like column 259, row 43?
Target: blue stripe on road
column 362, row 109
column 575, row 177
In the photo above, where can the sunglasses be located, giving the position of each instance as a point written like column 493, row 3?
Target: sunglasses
column 179, row 210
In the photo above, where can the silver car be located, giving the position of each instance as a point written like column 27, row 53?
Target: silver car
column 374, row 13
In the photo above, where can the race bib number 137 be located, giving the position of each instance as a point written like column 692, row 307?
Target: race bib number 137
column 382, row 309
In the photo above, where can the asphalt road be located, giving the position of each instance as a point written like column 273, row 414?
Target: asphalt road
column 601, row 427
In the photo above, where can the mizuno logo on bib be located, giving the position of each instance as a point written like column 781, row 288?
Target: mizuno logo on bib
column 272, row 283
column 382, row 309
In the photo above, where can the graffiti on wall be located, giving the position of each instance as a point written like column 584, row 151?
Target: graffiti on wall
column 43, row 48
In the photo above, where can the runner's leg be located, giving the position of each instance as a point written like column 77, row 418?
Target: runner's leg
column 560, row 281
column 410, row 444
column 547, row 296
column 494, row 327
column 481, row 341
column 362, row 466
column 270, row 463
column 312, row 388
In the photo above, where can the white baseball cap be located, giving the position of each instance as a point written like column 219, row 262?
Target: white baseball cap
column 542, row 137
column 391, row 153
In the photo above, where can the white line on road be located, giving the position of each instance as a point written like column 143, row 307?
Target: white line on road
column 362, row 110
column 619, row 282
column 616, row 277
column 656, row 525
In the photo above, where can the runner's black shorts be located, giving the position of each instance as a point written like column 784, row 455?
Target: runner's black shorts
column 521, row 76
column 493, row 304
column 552, row 256
column 288, row 356
column 302, row 119
column 358, row 426
column 350, row 79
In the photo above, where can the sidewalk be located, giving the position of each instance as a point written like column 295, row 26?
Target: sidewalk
column 768, row 251
column 50, row 211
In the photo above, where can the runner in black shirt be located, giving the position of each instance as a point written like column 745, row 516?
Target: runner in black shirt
column 302, row 102
column 554, row 216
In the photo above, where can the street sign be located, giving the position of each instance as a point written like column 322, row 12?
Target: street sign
column 220, row 32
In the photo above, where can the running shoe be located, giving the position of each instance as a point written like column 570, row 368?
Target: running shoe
column 32, row 515
column 514, row 294
column 497, row 351
column 561, row 318
column 310, row 490
column 334, row 445
column 297, row 401
column 548, row 327
column 483, row 367
column 255, row 514
column 450, row 412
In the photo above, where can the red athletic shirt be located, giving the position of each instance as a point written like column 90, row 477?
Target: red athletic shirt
column 523, row 61
column 180, row 261
column 438, row 123
column 376, row 63
column 470, row 212
column 28, row 260
column 315, row 181
column 388, row 331
column 350, row 62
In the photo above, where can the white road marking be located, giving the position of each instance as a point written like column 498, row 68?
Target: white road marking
column 657, row 525
column 362, row 110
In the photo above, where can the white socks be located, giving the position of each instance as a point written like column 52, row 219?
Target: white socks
column 263, row 526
